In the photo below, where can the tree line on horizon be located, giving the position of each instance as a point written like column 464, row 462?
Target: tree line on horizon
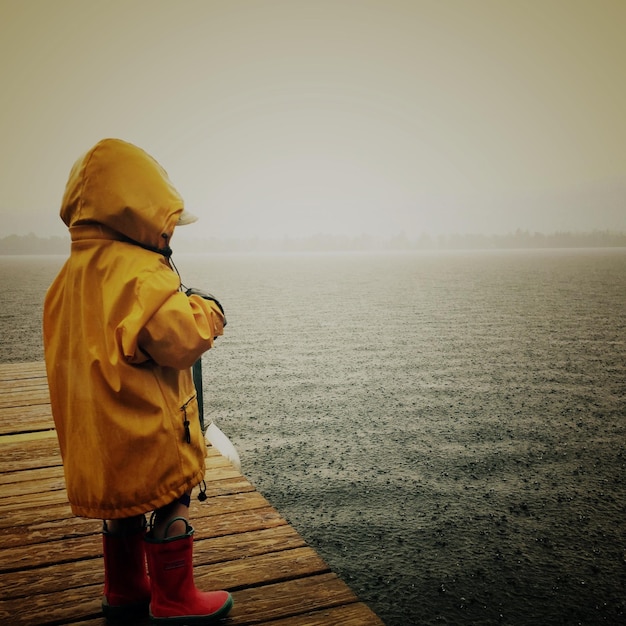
column 32, row 244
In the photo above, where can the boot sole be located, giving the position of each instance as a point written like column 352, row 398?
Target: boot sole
column 124, row 611
column 196, row 620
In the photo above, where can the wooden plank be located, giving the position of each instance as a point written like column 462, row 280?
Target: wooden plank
column 26, row 413
column 356, row 614
column 44, row 499
column 38, row 396
column 57, row 607
column 67, row 550
column 221, row 525
column 245, row 544
column 23, row 386
column 26, row 455
column 27, row 536
column 224, row 486
column 32, row 516
column 259, row 605
column 26, row 488
column 26, row 419
column 20, row 371
column 262, row 569
column 29, row 478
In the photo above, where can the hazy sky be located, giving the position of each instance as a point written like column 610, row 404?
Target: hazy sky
column 292, row 117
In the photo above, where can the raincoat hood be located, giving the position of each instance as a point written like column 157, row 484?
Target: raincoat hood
column 121, row 187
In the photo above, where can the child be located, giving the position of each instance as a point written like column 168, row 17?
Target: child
column 120, row 338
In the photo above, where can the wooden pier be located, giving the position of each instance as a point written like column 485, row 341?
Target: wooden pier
column 51, row 569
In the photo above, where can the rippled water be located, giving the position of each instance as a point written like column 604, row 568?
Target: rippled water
column 447, row 429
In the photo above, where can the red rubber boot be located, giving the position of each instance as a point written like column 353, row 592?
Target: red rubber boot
column 126, row 583
column 175, row 598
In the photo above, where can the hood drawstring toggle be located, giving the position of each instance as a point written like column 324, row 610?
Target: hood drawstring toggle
column 186, row 419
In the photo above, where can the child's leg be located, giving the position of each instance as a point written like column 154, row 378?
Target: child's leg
column 165, row 515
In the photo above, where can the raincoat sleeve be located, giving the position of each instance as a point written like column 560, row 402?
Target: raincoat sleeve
column 166, row 326
column 181, row 330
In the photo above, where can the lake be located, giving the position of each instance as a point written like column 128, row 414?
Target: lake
column 447, row 429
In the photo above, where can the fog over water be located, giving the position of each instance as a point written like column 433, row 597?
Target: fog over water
column 445, row 428
column 290, row 117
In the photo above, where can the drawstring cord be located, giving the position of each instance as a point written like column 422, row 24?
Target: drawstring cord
column 181, row 286
column 186, row 419
column 202, row 495
column 167, row 253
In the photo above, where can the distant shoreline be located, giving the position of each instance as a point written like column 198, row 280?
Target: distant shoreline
column 32, row 244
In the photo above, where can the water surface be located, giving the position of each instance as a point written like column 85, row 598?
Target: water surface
column 446, row 429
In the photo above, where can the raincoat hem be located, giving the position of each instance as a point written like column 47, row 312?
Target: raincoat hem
column 138, row 509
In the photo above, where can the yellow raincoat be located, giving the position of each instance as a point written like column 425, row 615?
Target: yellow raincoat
column 120, row 339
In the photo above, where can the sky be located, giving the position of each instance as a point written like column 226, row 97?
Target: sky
column 289, row 118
